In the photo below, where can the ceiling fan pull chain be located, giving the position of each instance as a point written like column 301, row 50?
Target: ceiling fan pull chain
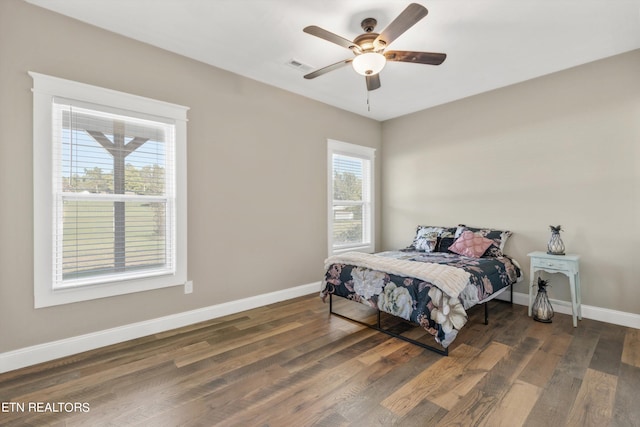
column 368, row 103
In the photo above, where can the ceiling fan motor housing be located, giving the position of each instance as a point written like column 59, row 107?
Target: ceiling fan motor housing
column 365, row 41
column 368, row 24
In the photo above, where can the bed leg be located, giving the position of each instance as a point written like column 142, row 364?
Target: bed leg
column 486, row 314
column 330, row 303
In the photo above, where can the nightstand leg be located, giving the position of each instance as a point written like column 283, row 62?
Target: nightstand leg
column 578, row 296
column 574, row 306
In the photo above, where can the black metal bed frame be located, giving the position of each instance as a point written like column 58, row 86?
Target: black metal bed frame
column 378, row 327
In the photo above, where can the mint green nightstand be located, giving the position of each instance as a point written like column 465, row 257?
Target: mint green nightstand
column 564, row 264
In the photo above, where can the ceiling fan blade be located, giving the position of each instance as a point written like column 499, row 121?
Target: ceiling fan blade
column 407, row 19
column 329, row 36
column 415, row 57
column 324, row 70
column 373, row 82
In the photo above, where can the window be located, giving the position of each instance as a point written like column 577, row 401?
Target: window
column 109, row 192
column 351, row 190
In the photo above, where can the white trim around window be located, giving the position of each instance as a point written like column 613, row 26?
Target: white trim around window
column 57, row 103
column 351, row 214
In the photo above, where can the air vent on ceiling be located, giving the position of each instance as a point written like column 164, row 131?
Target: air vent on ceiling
column 298, row 65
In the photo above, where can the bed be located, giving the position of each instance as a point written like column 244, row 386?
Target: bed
column 431, row 283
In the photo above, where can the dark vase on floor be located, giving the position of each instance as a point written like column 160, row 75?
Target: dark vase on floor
column 542, row 309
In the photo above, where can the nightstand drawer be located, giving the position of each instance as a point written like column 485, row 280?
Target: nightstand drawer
column 551, row 264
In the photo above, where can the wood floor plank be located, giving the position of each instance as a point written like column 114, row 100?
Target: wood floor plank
column 480, row 402
column 594, row 403
column 426, row 413
column 608, row 352
column 488, row 357
column 95, row 361
column 553, row 405
column 544, row 362
column 626, row 410
column 204, row 407
column 381, row 351
column 90, row 380
column 471, row 410
column 514, row 408
column 195, row 356
column 407, row 362
column 631, row 349
column 322, row 353
column 295, row 399
column 579, row 354
column 209, row 326
column 413, row 392
column 292, row 413
column 449, row 393
column 373, row 385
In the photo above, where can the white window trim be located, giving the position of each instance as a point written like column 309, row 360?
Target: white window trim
column 44, row 89
column 352, row 150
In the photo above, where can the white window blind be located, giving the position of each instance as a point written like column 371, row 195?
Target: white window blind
column 351, row 197
column 114, row 192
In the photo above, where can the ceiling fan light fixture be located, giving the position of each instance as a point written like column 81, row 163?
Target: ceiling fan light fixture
column 369, row 63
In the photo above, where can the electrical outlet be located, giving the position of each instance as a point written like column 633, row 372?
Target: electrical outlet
column 188, row 287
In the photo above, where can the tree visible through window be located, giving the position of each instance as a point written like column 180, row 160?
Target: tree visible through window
column 347, row 206
column 351, row 197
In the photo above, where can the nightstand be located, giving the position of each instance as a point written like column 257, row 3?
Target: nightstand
column 564, row 264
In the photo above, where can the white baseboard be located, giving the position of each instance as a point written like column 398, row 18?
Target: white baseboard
column 615, row 317
column 53, row 350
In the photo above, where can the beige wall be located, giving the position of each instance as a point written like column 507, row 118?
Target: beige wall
column 561, row 149
column 256, row 171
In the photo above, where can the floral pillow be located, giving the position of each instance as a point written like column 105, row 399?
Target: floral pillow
column 426, row 238
column 446, row 239
column 471, row 244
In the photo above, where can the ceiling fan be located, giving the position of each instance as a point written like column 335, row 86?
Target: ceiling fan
column 368, row 48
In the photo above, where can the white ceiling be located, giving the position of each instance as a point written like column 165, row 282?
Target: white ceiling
column 489, row 43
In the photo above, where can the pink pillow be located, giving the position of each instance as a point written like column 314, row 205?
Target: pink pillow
column 470, row 244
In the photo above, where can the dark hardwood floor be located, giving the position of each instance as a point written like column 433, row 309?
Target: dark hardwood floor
column 292, row 364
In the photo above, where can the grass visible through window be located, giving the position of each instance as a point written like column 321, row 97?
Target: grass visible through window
column 89, row 237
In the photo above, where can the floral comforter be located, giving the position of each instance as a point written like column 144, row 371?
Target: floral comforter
column 419, row 301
